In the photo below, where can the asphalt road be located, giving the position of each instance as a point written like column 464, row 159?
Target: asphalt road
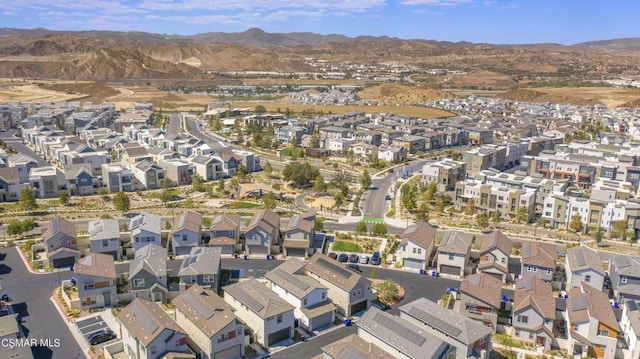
column 16, row 143
column 172, row 127
column 30, row 294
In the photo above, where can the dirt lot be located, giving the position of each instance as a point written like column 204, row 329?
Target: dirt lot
column 418, row 111
column 610, row 96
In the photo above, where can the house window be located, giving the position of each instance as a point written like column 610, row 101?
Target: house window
column 138, row 282
column 105, row 243
column 184, row 237
column 575, row 327
column 548, row 271
column 152, row 349
column 450, row 256
column 523, row 319
column 530, row 336
column 415, row 250
column 305, row 301
column 324, row 295
column 603, row 332
column 534, row 269
column 419, row 250
column 587, row 278
column 504, row 260
column 602, row 347
column 517, row 333
column 623, row 279
column 231, row 233
column 208, row 278
column 279, row 319
column 194, row 279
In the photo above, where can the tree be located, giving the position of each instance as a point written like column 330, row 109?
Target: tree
column 365, row 180
column 319, row 187
column 319, row 225
column 598, row 236
column 269, row 200
column 314, row 141
column 220, row 186
column 360, row 228
column 28, row 199
column 121, row 202
column 166, row 195
column 576, row 223
column 268, row 169
column 619, row 230
column 379, row 229
column 523, row 215
column 197, row 183
column 482, row 220
column 338, row 200
column 64, row 198
column 17, row 228
column 260, row 110
column 300, row 174
column 242, row 174
column 432, row 189
column 387, row 291
column 470, row 207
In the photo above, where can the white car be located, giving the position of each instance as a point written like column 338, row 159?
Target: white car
column 364, row 259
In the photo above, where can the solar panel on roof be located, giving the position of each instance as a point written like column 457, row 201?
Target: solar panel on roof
column 251, row 302
column 399, row 329
column 334, row 268
column 580, row 258
column 579, row 303
column 436, row 322
column 350, row 352
column 181, row 221
column 198, row 306
column 292, row 279
column 54, row 226
column 137, row 221
column 147, row 322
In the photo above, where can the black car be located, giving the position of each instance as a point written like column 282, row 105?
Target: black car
column 375, row 258
column 101, row 337
column 354, row 258
column 343, row 257
column 387, row 197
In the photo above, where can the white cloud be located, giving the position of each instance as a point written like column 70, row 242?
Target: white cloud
column 434, row 2
column 213, row 5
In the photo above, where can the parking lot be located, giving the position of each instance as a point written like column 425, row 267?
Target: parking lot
column 99, row 323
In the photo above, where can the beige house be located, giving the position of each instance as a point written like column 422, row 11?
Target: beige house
column 224, row 232
column 480, row 298
column 262, row 235
column 96, row 281
column 534, row 312
column 416, row 246
column 299, row 234
column 453, row 254
column 60, row 240
column 495, row 250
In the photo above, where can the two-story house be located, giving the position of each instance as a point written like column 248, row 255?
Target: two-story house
column 118, row 177
column 480, row 298
column 630, row 325
column 313, row 309
column 96, row 281
column 212, row 328
column 416, row 246
column 145, row 228
column 60, row 240
column 453, row 254
column 262, row 235
column 148, row 175
column 186, row 232
column 470, row 338
column 584, row 264
column 148, row 332
column 299, row 234
column 495, row 250
column 624, row 272
column 9, row 184
column 79, row 180
column 534, row 312
column 348, row 290
column 592, row 325
column 148, row 273
column 23, row 164
column 201, row 267
column 104, row 237
column 539, row 259
column 207, row 167
column 44, row 181
column 224, row 233
column 262, row 310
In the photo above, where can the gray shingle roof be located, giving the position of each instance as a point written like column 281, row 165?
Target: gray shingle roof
column 146, row 320
column 201, row 260
column 104, row 229
column 288, row 275
column 627, row 266
column 147, row 222
column 152, row 258
column 205, row 309
column 258, row 298
column 583, row 257
column 455, row 242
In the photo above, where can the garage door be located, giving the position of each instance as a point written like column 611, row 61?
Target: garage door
column 257, row 249
column 278, row 336
column 412, row 263
column 321, row 321
column 230, row 353
column 296, row 252
column 63, row 262
column 358, row 307
column 445, row 269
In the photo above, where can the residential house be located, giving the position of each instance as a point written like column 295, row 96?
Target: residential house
column 470, row 338
column 299, row 235
column 202, row 267
column 213, row 330
column 79, row 180
column 630, row 326
column 312, row 307
column 148, row 275
column 131, row 155
column 453, row 253
column 224, row 233
column 416, row 246
column 412, row 143
column 44, row 181
column 480, row 298
column 96, row 281
column 539, row 259
column 262, row 235
column 59, row 237
column 148, row 175
column 392, row 153
column 624, row 272
column 353, row 345
column 10, row 187
column 186, row 232
column 104, row 237
column 445, row 173
column 117, row 177
column 584, row 264
column 289, row 135
column 534, row 312
column 348, row 290
column 230, row 162
column 592, row 325
column 495, row 250
column 397, row 335
column 207, row 167
column 178, row 171
column 148, row 332
column 23, row 164
column 364, row 150
column 145, row 228
column 250, row 160
column 269, row 316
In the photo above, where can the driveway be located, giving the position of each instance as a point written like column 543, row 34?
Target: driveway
column 31, row 295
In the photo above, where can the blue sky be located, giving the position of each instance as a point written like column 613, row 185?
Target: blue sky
column 490, row 21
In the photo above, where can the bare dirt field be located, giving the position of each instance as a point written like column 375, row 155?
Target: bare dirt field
column 611, row 96
column 418, row 111
column 31, row 92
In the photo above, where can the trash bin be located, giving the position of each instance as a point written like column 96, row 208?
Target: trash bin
column 347, row 322
column 245, row 257
column 421, row 271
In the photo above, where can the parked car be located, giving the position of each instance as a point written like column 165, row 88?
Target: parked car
column 354, row 267
column 101, row 337
column 333, row 255
column 387, row 198
column 354, row 258
column 364, row 259
column 343, row 257
column 375, row 258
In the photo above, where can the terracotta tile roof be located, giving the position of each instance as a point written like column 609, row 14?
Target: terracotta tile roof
column 533, row 292
column 587, row 302
column 539, row 254
column 205, row 309
column 58, row 225
column 496, row 240
column 188, row 220
column 97, row 264
column 146, row 320
column 484, row 287
column 421, row 234
column 583, row 257
column 266, row 219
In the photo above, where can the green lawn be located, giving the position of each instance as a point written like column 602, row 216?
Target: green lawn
column 242, row 205
column 341, row 246
column 292, row 151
